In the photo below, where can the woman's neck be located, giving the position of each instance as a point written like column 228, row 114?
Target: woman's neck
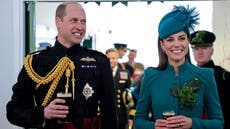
column 176, row 65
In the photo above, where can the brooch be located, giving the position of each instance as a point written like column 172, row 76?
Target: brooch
column 87, row 91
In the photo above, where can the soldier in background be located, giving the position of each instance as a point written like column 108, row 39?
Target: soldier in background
column 202, row 46
column 122, row 84
column 122, row 49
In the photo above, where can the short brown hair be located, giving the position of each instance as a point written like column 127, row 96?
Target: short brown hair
column 111, row 50
column 60, row 11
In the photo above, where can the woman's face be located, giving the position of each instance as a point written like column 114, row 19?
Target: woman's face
column 176, row 47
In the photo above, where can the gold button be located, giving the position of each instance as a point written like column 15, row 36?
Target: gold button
column 118, row 101
column 118, row 105
column 118, row 91
column 118, row 96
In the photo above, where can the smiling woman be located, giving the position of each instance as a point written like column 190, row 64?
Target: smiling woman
column 134, row 24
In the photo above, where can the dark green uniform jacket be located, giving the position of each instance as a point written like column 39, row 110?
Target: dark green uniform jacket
column 223, row 84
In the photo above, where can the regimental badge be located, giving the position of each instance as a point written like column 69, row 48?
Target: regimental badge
column 124, row 75
column 88, row 59
column 87, row 91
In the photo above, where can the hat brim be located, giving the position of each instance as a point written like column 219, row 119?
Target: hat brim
column 202, row 45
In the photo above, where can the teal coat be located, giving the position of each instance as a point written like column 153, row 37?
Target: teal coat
column 155, row 95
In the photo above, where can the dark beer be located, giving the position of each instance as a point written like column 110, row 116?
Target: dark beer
column 167, row 114
column 68, row 100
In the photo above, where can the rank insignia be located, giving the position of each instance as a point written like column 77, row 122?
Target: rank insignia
column 87, row 91
column 124, row 75
column 88, row 59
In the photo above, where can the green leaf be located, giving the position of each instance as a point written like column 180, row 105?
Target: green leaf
column 174, row 90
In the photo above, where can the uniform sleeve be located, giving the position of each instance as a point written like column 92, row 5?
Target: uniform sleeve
column 143, row 105
column 107, row 107
column 21, row 110
column 214, row 113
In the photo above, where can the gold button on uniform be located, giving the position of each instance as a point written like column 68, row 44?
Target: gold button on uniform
column 118, row 105
column 118, row 96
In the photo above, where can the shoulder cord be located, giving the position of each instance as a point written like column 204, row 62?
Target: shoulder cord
column 64, row 64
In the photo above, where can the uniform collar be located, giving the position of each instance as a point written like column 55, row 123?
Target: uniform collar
column 59, row 49
column 208, row 64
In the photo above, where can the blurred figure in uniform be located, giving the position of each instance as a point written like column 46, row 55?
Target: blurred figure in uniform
column 122, row 49
column 135, row 89
column 66, row 70
column 138, row 70
column 131, row 56
column 122, row 84
column 202, row 46
column 131, row 61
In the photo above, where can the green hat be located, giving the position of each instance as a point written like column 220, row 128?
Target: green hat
column 179, row 19
column 202, row 38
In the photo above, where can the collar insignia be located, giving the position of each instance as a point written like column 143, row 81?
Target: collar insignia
column 87, row 91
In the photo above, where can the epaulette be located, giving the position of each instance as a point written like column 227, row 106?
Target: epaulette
column 41, row 50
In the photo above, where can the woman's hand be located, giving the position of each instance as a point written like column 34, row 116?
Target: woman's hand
column 179, row 122
column 56, row 109
column 160, row 124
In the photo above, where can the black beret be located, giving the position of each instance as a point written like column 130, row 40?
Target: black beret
column 202, row 37
column 120, row 45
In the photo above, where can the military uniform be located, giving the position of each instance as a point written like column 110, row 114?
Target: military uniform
column 222, row 78
column 93, row 86
column 205, row 38
column 122, row 82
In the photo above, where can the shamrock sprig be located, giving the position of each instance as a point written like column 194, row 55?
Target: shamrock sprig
column 186, row 94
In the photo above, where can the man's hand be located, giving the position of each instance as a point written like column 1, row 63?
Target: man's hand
column 56, row 109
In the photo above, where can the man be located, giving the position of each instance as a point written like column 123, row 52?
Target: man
column 131, row 56
column 122, row 84
column 67, row 69
column 202, row 46
column 122, row 49
column 129, row 65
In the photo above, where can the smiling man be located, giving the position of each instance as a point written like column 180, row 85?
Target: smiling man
column 66, row 69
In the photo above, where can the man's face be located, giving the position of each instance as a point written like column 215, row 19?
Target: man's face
column 202, row 54
column 132, row 55
column 113, row 57
column 121, row 52
column 72, row 28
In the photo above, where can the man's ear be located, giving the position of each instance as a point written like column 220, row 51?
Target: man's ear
column 58, row 21
column 212, row 50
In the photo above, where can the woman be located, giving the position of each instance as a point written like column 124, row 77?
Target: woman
column 176, row 85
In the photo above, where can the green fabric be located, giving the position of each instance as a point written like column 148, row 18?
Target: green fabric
column 155, row 95
column 179, row 19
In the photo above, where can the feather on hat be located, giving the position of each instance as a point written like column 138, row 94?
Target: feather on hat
column 179, row 19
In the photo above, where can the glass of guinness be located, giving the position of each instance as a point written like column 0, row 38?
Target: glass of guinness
column 68, row 100
column 168, row 113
